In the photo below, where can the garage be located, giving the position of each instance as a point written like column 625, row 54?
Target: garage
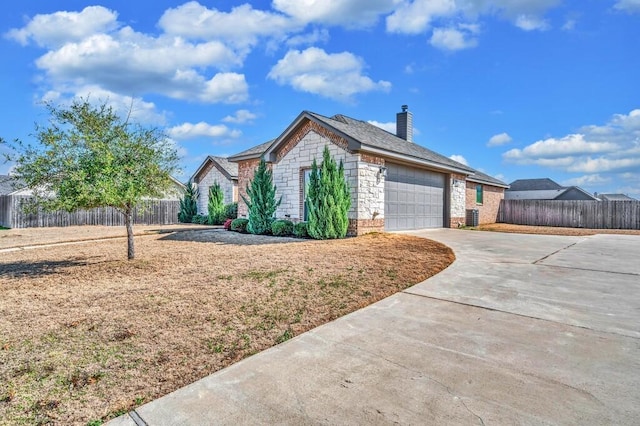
column 413, row 198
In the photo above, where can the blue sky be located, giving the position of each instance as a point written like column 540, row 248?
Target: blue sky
column 515, row 88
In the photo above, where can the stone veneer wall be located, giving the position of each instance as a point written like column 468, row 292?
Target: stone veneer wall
column 205, row 179
column 457, row 201
column 491, row 197
column 287, row 172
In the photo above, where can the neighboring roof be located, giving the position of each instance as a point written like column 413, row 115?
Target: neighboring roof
column 533, row 185
column 229, row 169
column 480, row 177
column 9, row 184
column 615, row 197
column 255, row 152
column 545, row 194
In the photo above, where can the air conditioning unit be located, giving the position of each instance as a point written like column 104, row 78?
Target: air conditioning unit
column 473, row 217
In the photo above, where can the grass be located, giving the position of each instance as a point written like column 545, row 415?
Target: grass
column 86, row 335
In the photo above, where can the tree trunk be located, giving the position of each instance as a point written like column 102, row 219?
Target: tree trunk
column 128, row 220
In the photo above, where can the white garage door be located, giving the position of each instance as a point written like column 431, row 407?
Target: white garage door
column 413, row 198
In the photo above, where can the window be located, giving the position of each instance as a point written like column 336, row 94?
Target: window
column 306, row 173
column 479, row 194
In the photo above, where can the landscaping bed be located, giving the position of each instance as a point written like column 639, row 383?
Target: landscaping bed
column 86, row 335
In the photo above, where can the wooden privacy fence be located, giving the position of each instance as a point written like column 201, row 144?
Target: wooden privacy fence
column 149, row 212
column 571, row 214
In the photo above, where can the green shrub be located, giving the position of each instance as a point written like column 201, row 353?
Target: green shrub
column 231, row 210
column 215, row 206
column 300, row 230
column 239, row 225
column 262, row 203
column 282, row 228
column 328, row 199
column 200, row 219
column 188, row 204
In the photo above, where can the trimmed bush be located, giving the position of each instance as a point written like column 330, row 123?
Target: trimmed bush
column 227, row 224
column 239, row 225
column 261, row 201
column 282, row 228
column 300, row 230
column 188, row 204
column 215, row 206
column 231, row 210
column 200, row 219
column 328, row 199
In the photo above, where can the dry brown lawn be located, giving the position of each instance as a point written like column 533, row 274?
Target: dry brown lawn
column 86, row 335
column 552, row 230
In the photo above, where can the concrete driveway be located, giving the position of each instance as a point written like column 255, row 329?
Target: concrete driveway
column 521, row 329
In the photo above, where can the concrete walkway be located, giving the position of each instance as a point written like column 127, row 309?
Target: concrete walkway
column 521, row 329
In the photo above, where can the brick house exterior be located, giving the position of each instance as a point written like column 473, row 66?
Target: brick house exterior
column 489, row 205
column 216, row 169
column 367, row 152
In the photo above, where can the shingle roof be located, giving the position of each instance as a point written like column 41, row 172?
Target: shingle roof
column 9, row 184
column 256, row 151
column 369, row 136
column 536, row 194
column 615, row 197
column 372, row 136
column 533, row 185
column 480, row 177
column 228, row 166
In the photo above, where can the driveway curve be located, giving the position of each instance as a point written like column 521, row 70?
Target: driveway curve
column 520, row 329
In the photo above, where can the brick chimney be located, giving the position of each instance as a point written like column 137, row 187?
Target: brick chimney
column 404, row 124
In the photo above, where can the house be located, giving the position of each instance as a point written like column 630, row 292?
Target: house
column 614, row 197
column 544, row 189
column 216, row 169
column 395, row 183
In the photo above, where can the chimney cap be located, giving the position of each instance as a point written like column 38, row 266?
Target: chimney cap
column 405, row 108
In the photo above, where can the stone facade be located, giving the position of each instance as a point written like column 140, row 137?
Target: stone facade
column 491, row 197
column 361, row 171
column 457, row 202
column 206, row 178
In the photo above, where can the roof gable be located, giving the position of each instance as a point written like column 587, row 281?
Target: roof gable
column 226, row 167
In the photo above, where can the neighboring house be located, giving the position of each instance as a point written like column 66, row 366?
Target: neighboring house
column 216, row 169
column 12, row 186
column 544, row 189
column 614, row 197
column 395, row 184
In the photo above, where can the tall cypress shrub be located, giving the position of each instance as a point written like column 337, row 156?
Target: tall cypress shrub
column 262, row 203
column 328, row 199
column 215, row 206
column 188, row 204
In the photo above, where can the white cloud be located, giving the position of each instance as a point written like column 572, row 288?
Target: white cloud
column 452, row 39
column 631, row 6
column 574, row 144
column 336, row 76
column 202, row 129
column 531, row 23
column 100, row 55
column 242, row 26
column 587, row 180
column 459, row 159
column 56, row 29
column 499, row 139
column 596, row 149
column 347, row 13
column 241, row 116
column 389, row 126
column 569, row 25
column 316, row 36
column 415, row 17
